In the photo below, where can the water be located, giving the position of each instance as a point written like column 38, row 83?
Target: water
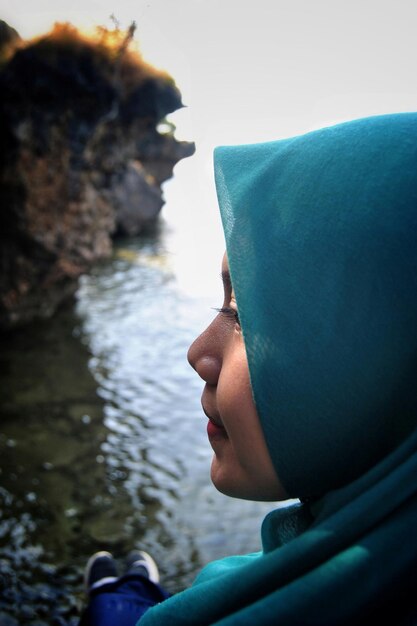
column 102, row 438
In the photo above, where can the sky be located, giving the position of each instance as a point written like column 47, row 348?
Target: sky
column 255, row 70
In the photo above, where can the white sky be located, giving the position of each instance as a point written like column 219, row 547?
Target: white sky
column 255, row 70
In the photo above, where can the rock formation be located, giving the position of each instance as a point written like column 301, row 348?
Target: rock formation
column 81, row 159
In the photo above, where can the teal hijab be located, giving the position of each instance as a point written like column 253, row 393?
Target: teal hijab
column 321, row 237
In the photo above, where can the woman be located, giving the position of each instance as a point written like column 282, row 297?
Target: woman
column 310, row 370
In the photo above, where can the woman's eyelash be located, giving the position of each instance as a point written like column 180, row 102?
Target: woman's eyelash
column 225, row 310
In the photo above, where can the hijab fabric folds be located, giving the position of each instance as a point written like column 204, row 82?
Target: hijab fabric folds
column 321, row 237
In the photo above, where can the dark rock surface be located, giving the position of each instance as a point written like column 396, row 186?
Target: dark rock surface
column 80, row 161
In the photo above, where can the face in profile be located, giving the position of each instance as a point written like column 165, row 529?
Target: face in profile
column 241, row 465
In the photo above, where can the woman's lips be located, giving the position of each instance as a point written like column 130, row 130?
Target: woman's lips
column 215, row 431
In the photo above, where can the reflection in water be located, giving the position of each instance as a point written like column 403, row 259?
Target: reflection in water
column 50, row 434
column 103, row 444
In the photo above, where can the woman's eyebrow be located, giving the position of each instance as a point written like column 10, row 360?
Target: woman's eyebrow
column 225, row 276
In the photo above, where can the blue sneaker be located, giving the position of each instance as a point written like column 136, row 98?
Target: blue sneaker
column 140, row 562
column 100, row 570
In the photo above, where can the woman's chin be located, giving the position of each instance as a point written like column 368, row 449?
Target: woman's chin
column 234, row 484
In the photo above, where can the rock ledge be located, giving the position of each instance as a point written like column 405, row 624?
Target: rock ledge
column 81, row 159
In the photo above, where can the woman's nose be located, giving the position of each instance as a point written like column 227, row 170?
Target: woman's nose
column 203, row 358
